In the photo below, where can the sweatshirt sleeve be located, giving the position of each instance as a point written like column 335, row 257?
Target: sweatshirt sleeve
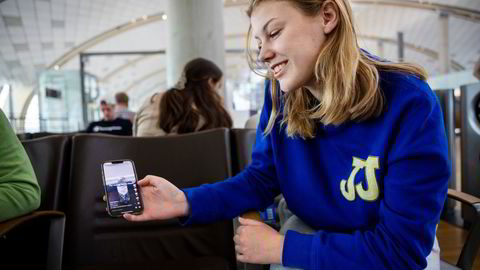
column 415, row 188
column 252, row 189
column 19, row 190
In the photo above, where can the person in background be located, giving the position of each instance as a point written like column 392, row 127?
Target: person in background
column 19, row 189
column 355, row 143
column 252, row 121
column 110, row 124
column 193, row 104
column 121, row 107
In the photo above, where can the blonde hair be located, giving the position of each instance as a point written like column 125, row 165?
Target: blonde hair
column 357, row 97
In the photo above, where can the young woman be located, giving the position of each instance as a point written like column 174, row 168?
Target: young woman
column 355, row 144
column 193, row 104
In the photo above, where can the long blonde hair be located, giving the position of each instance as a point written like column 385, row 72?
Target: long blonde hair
column 356, row 97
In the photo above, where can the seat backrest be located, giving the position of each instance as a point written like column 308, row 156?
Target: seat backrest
column 24, row 136
column 94, row 238
column 242, row 142
column 447, row 102
column 50, row 160
column 470, row 143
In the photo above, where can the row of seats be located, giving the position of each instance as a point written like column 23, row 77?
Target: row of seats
column 69, row 173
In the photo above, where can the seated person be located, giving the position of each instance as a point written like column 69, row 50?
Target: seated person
column 110, row 124
column 356, row 145
column 252, row 121
column 193, row 104
column 19, row 189
column 121, row 107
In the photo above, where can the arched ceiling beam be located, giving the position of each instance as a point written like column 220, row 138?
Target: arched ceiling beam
column 459, row 12
column 121, row 68
column 124, row 66
column 26, row 104
column 425, row 51
column 142, row 79
column 156, row 87
column 104, row 36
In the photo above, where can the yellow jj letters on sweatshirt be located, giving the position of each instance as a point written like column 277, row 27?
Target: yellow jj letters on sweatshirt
column 348, row 188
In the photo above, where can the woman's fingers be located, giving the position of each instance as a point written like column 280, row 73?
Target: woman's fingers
column 131, row 217
column 150, row 180
column 247, row 221
column 236, row 239
column 145, row 182
column 240, row 257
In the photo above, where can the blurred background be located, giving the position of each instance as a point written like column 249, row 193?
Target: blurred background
column 58, row 58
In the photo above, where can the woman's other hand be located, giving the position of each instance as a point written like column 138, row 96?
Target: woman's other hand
column 161, row 200
column 256, row 242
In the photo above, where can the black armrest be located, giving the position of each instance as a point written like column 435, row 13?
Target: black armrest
column 472, row 243
column 55, row 221
column 11, row 224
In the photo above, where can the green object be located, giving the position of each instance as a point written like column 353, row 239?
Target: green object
column 19, row 189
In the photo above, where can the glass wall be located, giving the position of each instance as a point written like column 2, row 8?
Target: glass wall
column 60, row 100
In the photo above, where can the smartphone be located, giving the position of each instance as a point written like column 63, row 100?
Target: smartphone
column 120, row 183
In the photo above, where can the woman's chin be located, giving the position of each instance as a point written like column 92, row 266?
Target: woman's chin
column 286, row 87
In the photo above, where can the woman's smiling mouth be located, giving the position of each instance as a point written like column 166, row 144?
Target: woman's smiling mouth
column 279, row 68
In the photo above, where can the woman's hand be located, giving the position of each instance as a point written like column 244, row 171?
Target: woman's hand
column 256, row 242
column 161, row 200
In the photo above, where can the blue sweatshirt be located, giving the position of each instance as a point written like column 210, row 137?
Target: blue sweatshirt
column 373, row 190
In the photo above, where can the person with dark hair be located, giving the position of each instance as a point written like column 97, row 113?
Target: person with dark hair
column 121, row 107
column 193, row 104
column 356, row 145
column 19, row 189
column 110, row 124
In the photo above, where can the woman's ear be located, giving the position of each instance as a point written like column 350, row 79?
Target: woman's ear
column 329, row 14
column 213, row 84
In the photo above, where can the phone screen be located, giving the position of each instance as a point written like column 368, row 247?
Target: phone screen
column 120, row 181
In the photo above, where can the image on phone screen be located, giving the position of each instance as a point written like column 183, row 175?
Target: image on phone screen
column 120, row 181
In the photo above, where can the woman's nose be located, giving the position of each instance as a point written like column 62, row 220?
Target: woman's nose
column 265, row 54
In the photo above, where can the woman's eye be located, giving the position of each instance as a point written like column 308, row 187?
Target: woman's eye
column 274, row 33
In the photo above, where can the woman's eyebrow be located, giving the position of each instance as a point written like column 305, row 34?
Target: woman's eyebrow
column 265, row 26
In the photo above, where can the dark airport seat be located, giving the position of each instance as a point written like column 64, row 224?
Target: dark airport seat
column 242, row 142
column 42, row 134
column 50, row 157
column 33, row 239
column 470, row 143
column 24, row 136
column 95, row 240
column 471, row 204
column 38, row 135
column 472, row 244
column 446, row 100
column 39, row 236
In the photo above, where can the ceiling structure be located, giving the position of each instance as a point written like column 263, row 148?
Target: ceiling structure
column 37, row 35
